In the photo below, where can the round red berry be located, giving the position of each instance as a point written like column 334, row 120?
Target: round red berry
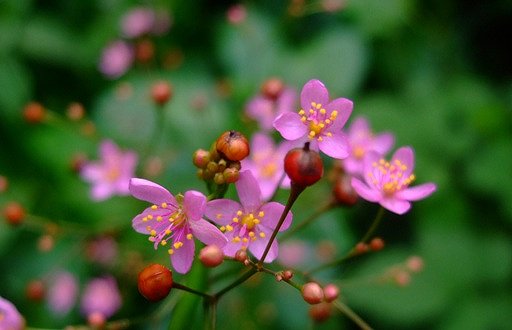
column 155, row 282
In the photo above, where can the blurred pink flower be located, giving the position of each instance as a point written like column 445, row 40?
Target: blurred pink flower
column 387, row 183
column 101, row 296
column 111, row 174
column 62, row 293
column 320, row 121
column 10, row 318
column 102, row 250
column 141, row 21
column 174, row 218
column 250, row 223
column 116, row 59
column 266, row 163
column 265, row 110
column 361, row 140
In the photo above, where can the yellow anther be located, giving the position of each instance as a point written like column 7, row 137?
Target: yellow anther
column 261, row 214
column 262, row 234
column 239, row 213
column 145, row 219
column 235, row 220
column 152, row 232
column 159, row 218
column 302, row 112
column 312, row 134
column 303, row 119
column 177, row 245
column 229, row 228
column 164, row 205
column 219, row 215
column 334, row 114
column 168, row 231
column 322, row 111
column 327, row 121
column 148, row 228
column 236, row 239
column 256, row 221
column 163, row 243
column 170, row 251
column 251, row 234
column 320, row 138
column 222, row 228
column 245, row 240
column 150, row 217
column 318, row 105
column 154, row 207
column 329, row 134
column 311, row 111
column 189, row 236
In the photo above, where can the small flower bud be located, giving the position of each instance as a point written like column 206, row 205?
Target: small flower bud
column 4, row 183
column 320, row 312
column 96, row 320
column 233, row 145
column 361, row 248
column 331, row 292
column 241, row 255
column 312, row 293
column 144, row 50
column 272, row 88
column 35, row 290
column 212, row 167
column 161, row 92
column 231, row 175
column 303, row 166
column 75, row 111
column 376, row 244
column 155, row 282
column 402, row 278
column 45, row 243
column 211, row 256
column 218, row 178
column 14, row 213
column 34, row 112
column 343, row 191
column 287, row 275
column 415, row 264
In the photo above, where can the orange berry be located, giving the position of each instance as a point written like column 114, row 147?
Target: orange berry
column 14, row 213
column 155, row 282
column 233, row 145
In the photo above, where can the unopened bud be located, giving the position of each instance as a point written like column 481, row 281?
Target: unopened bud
column 35, row 290
column 241, row 255
column 303, row 166
column 361, row 248
column 211, row 256
column 34, row 112
column 320, row 312
column 331, row 292
column 161, row 92
column 233, row 145
column 415, row 264
column 376, row 244
column 343, row 191
column 218, row 178
column 272, row 88
column 287, row 275
column 312, row 293
column 75, row 111
column 96, row 320
column 14, row 213
column 155, row 282
column 231, row 175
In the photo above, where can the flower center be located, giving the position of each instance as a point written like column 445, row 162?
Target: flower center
column 317, row 120
column 390, row 176
column 246, row 225
column 268, row 170
column 113, row 174
column 359, row 152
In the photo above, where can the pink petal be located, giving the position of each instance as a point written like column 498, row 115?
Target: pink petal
column 207, row 233
column 335, row 146
column 365, row 192
column 290, row 126
column 194, row 204
column 395, row 205
column 222, row 211
column 140, row 225
column 108, row 149
column 92, row 172
column 344, row 108
column 258, row 246
column 182, row 258
column 383, row 142
column 261, row 144
column 371, row 158
column 358, row 127
column 248, row 190
column 313, row 91
column 150, row 192
column 231, row 247
column 417, row 192
column 406, row 156
column 273, row 211
column 101, row 191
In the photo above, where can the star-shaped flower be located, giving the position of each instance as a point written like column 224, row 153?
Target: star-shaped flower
column 250, row 223
column 111, row 174
column 174, row 221
column 319, row 121
column 387, row 183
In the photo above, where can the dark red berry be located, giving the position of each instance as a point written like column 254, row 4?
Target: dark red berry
column 161, row 92
column 303, row 166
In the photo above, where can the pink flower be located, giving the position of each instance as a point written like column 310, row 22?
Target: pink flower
column 63, row 293
column 250, row 223
column 265, row 110
column 266, row 163
column 177, row 219
column 116, row 59
column 141, row 21
column 361, row 140
column 320, row 121
column 10, row 318
column 111, row 174
column 101, row 296
column 387, row 183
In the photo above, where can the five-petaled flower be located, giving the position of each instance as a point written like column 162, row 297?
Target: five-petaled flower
column 174, row 221
column 361, row 140
column 110, row 175
column 387, row 183
column 250, row 223
column 319, row 121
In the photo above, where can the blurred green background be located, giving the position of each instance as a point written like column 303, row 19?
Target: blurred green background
column 435, row 73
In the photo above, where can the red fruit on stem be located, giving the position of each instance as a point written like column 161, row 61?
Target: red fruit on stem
column 303, row 166
column 155, row 282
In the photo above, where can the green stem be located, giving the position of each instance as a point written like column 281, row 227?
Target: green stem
column 324, row 208
column 351, row 315
column 294, row 194
column 353, row 252
column 248, row 274
column 190, row 290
